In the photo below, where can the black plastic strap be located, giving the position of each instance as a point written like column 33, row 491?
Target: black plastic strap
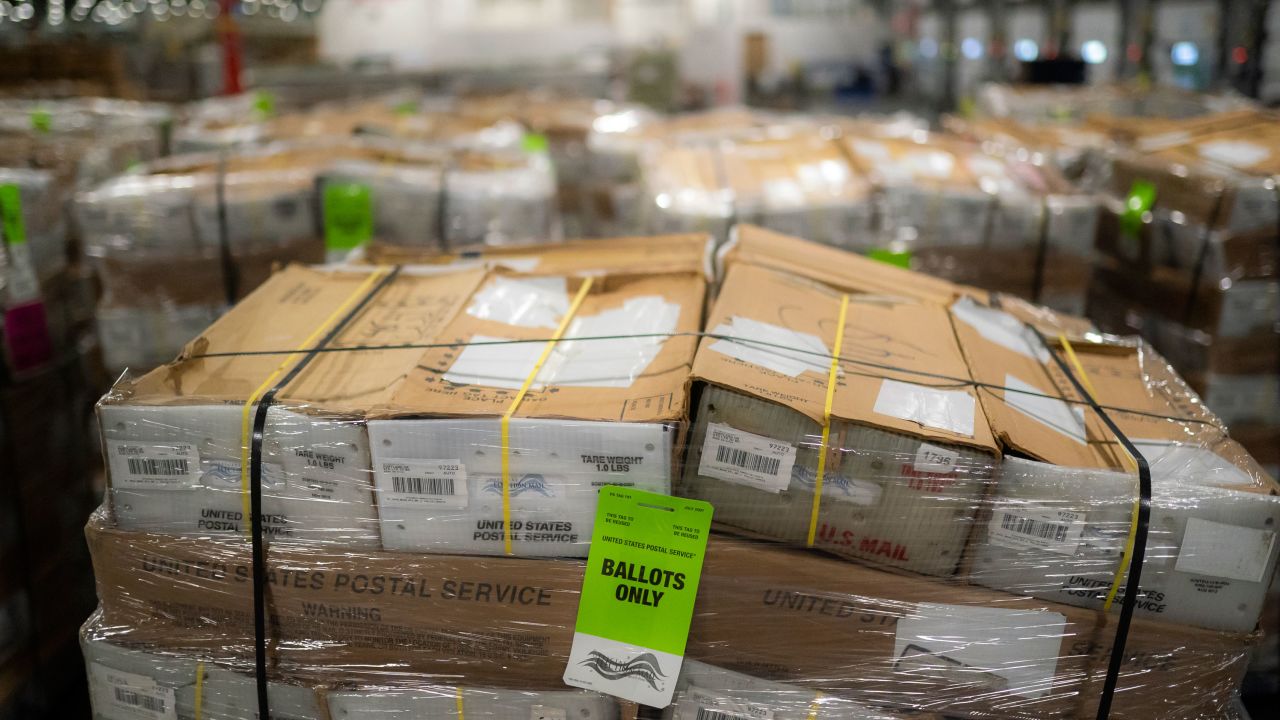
column 230, row 273
column 442, row 205
column 1134, row 580
column 1042, row 252
column 1197, row 272
column 255, row 491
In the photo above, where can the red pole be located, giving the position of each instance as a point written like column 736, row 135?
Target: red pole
column 232, row 49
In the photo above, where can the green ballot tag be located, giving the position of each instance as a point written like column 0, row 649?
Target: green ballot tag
column 15, row 231
column 1142, row 196
column 41, row 120
column 534, row 143
column 264, row 103
column 900, row 258
column 637, row 596
column 348, row 215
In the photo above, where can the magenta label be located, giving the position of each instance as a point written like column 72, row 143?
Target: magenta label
column 26, row 333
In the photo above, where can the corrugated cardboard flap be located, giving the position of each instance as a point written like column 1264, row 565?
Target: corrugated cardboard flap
column 291, row 312
column 631, row 365
column 655, row 254
column 835, row 268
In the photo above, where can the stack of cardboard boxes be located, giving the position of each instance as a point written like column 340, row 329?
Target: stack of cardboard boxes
column 49, row 378
column 944, row 206
column 175, row 241
column 1192, row 266
column 903, row 478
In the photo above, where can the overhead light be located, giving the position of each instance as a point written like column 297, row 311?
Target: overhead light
column 928, row 48
column 1093, row 52
column 971, row 48
column 1026, row 50
column 1184, row 54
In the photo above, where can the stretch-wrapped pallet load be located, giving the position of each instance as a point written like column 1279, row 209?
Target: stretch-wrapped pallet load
column 1192, row 265
column 1069, row 147
column 48, row 149
column 802, row 186
column 944, row 206
column 1137, row 105
column 177, row 241
column 997, row 222
column 425, row 444
column 405, row 114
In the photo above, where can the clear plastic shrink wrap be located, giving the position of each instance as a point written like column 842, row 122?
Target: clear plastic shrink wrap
column 49, row 148
column 176, row 241
column 870, row 439
column 947, row 207
column 1193, row 267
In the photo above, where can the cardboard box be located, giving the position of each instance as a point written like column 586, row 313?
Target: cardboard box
column 801, row 186
column 1057, row 531
column 655, row 254
column 706, row 692
column 908, row 459
column 602, row 412
column 685, row 190
column 791, row 616
column 370, row 615
column 796, row 617
column 126, row 683
column 834, row 268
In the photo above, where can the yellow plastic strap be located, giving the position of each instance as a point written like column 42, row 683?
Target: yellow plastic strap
column 246, row 413
column 814, row 706
column 515, row 405
column 826, row 420
column 1133, row 514
column 199, row 701
column 457, row 696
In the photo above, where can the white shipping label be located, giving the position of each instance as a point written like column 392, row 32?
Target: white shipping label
column 1226, row 551
column 129, row 696
column 153, row 466
column 740, row 457
column 1015, row 651
column 933, row 459
column 547, row 712
column 1236, row 153
column 1058, row 531
column 713, row 706
column 949, row 410
column 418, row 483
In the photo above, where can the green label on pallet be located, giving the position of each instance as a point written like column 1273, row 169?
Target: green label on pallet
column 348, row 215
column 637, row 595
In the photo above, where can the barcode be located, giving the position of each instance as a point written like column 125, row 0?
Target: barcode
column 1036, row 528
column 422, row 485
column 146, row 702
column 709, row 714
column 158, row 466
column 747, row 461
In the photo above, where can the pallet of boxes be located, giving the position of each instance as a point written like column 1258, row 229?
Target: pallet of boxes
column 1189, row 260
column 934, row 202
column 176, row 242
column 405, row 462
column 49, row 379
